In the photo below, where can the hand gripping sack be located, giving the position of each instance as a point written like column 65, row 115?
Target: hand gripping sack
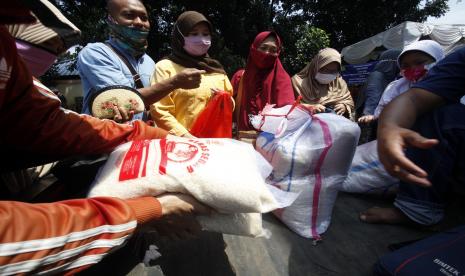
column 207, row 169
column 310, row 155
column 367, row 175
column 215, row 121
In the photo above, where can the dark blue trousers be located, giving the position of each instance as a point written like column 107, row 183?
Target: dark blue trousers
column 444, row 164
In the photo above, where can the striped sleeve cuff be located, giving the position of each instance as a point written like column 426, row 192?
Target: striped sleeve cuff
column 145, row 209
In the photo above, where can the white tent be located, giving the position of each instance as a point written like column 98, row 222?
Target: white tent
column 449, row 36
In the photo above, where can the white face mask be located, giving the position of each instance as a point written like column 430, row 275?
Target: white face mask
column 325, row 78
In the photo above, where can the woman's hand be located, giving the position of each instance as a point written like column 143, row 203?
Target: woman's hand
column 188, row 135
column 317, row 108
column 121, row 115
column 340, row 109
column 216, row 90
column 366, row 119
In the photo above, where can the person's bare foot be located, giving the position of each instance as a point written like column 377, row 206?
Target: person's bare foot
column 384, row 215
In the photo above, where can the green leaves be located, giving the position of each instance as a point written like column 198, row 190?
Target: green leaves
column 311, row 40
column 305, row 26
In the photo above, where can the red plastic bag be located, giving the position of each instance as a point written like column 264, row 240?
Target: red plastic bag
column 215, row 121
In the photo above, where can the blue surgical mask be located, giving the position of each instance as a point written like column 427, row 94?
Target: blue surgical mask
column 133, row 40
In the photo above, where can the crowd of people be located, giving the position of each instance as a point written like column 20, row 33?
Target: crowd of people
column 420, row 134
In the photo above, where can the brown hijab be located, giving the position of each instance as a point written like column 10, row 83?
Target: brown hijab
column 313, row 92
column 186, row 21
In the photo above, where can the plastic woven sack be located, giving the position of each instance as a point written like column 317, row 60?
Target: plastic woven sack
column 225, row 174
column 367, row 175
column 310, row 156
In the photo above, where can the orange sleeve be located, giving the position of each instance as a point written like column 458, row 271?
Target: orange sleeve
column 33, row 123
column 67, row 236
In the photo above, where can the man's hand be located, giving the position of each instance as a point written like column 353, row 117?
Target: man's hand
column 340, row 109
column 366, row 119
column 178, row 216
column 188, row 78
column 392, row 141
column 181, row 204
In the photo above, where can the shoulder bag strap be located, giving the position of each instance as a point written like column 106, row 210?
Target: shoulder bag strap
column 133, row 71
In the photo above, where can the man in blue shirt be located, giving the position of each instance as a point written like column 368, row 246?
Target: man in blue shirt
column 99, row 66
column 421, row 140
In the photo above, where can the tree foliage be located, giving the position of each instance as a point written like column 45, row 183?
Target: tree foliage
column 304, row 25
column 311, row 40
column 350, row 21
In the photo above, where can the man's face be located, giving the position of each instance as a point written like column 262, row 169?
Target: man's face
column 131, row 13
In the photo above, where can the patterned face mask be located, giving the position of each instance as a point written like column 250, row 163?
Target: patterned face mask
column 133, row 40
column 414, row 74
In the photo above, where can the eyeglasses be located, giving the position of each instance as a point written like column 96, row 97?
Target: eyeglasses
column 268, row 49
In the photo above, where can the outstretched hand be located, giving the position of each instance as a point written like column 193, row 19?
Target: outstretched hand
column 391, row 145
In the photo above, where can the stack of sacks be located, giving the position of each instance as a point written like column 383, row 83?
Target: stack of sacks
column 310, row 155
column 224, row 174
column 367, row 175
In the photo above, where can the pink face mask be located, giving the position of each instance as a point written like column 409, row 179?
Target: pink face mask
column 37, row 60
column 196, row 45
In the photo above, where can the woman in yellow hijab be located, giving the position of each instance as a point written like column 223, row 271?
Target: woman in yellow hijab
column 321, row 85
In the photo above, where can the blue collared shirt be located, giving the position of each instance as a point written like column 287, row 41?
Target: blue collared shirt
column 100, row 67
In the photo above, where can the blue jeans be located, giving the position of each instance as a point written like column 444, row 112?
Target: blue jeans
column 444, row 164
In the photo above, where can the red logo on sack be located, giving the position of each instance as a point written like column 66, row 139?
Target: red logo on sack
column 181, row 152
column 132, row 162
column 192, row 153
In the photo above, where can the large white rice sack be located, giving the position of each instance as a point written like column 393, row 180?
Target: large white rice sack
column 224, row 174
column 367, row 175
column 310, row 156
